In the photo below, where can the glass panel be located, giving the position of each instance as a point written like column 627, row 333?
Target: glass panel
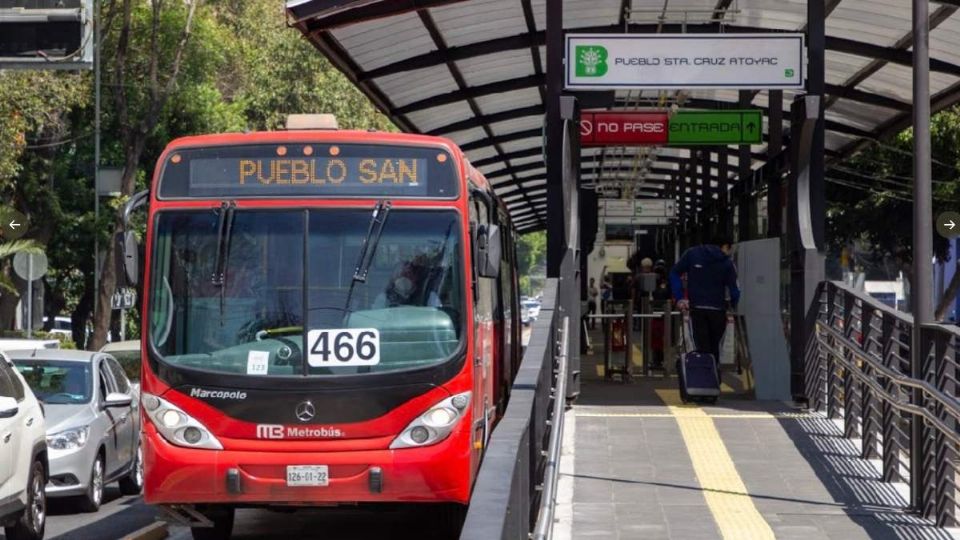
column 118, row 376
column 253, row 323
column 57, row 382
column 130, row 363
column 198, row 323
column 413, row 293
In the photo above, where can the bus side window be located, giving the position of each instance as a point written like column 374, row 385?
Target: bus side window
column 479, row 214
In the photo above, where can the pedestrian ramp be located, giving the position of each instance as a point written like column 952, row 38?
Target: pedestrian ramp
column 639, row 464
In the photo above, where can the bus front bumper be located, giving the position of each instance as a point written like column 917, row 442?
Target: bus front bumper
column 177, row 475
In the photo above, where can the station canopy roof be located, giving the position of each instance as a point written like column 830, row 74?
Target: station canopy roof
column 473, row 71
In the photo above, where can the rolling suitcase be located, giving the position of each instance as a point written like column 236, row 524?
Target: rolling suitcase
column 696, row 372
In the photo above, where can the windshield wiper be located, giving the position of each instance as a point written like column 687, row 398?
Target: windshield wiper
column 368, row 248
column 224, row 233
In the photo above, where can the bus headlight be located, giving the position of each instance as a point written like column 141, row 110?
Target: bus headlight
column 176, row 426
column 434, row 425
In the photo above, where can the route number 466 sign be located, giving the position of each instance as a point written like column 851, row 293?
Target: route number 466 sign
column 344, row 347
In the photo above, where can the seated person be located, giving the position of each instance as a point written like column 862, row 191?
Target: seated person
column 404, row 289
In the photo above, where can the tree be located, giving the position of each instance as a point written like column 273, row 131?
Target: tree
column 531, row 255
column 144, row 68
column 870, row 198
column 34, row 122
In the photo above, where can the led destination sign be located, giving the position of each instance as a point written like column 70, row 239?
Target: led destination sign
column 299, row 171
column 270, row 174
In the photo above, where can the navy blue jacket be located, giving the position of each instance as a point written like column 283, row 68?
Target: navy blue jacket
column 710, row 272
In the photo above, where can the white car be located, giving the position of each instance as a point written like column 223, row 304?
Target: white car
column 532, row 309
column 23, row 457
column 62, row 326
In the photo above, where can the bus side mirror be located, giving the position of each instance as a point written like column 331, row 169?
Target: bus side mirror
column 131, row 257
column 126, row 251
column 489, row 251
column 128, row 257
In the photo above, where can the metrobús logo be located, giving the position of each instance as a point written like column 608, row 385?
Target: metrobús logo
column 203, row 393
column 591, row 60
column 276, row 431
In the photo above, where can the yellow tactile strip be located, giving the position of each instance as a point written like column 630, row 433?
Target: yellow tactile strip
column 733, row 511
column 746, row 416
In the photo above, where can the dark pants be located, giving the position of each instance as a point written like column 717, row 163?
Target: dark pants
column 708, row 328
column 592, row 310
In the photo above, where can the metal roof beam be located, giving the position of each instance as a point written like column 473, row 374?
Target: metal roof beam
column 455, row 72
column 523, row 41
column 472, row 92
column 470, row 123
column 948, row 97
column 311, row 14
column 509, row 171
column 462, row 52
column 936, row 19
column 890, row 54
column 506, row 137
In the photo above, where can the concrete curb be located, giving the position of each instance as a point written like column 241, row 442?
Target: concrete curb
column 154, row 531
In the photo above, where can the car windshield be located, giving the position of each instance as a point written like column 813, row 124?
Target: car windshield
column 57, row 382
column 284, row 271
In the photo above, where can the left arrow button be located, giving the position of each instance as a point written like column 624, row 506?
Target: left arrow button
column 13, row 224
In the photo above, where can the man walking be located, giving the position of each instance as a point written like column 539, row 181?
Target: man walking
column 710, row 275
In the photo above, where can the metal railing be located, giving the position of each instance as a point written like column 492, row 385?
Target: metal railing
column 858, row 367
column 513, row 497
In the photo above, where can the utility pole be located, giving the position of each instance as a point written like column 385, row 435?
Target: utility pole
column 95, row 17
column 920, row 290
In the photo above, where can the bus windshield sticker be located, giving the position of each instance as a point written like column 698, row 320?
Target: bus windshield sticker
column 257, row 362
column 344, row 347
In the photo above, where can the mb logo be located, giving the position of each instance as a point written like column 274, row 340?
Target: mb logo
column 591, row 60
column 269, row 431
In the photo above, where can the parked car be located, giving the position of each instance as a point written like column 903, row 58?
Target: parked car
column 127, row 354
column 23, row 457
column 24, row 344
column 93, row 422
column 532, row 309
column 61, row 326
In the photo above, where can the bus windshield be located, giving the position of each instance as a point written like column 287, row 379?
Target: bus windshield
column 272, row 292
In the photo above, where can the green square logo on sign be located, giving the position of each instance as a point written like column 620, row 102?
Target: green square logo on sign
column 591, row 60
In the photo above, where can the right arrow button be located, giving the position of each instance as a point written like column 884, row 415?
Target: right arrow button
column 948, row 224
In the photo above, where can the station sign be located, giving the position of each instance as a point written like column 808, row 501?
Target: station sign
column 685, row 61
column 655, row 209
column 683, row 128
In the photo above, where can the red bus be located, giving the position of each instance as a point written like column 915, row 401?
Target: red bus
column 330, row 317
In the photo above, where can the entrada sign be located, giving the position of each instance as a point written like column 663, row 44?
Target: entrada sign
column 683, row 128
column 716, row 127
column 678, row 61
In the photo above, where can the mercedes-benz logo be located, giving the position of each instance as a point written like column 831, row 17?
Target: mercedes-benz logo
column 305, row 411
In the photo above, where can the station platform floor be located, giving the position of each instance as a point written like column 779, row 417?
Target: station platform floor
column 639, row 464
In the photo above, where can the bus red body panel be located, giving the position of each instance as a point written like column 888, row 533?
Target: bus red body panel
column 439, row 473
column 201, row 365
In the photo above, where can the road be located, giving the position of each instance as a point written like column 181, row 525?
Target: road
column 117, row 517
column 121, row 515
column 330, row 524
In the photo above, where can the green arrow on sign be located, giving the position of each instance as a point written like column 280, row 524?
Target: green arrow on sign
column 716, row 127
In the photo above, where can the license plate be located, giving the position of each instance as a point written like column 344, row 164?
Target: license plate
column 307, row 475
